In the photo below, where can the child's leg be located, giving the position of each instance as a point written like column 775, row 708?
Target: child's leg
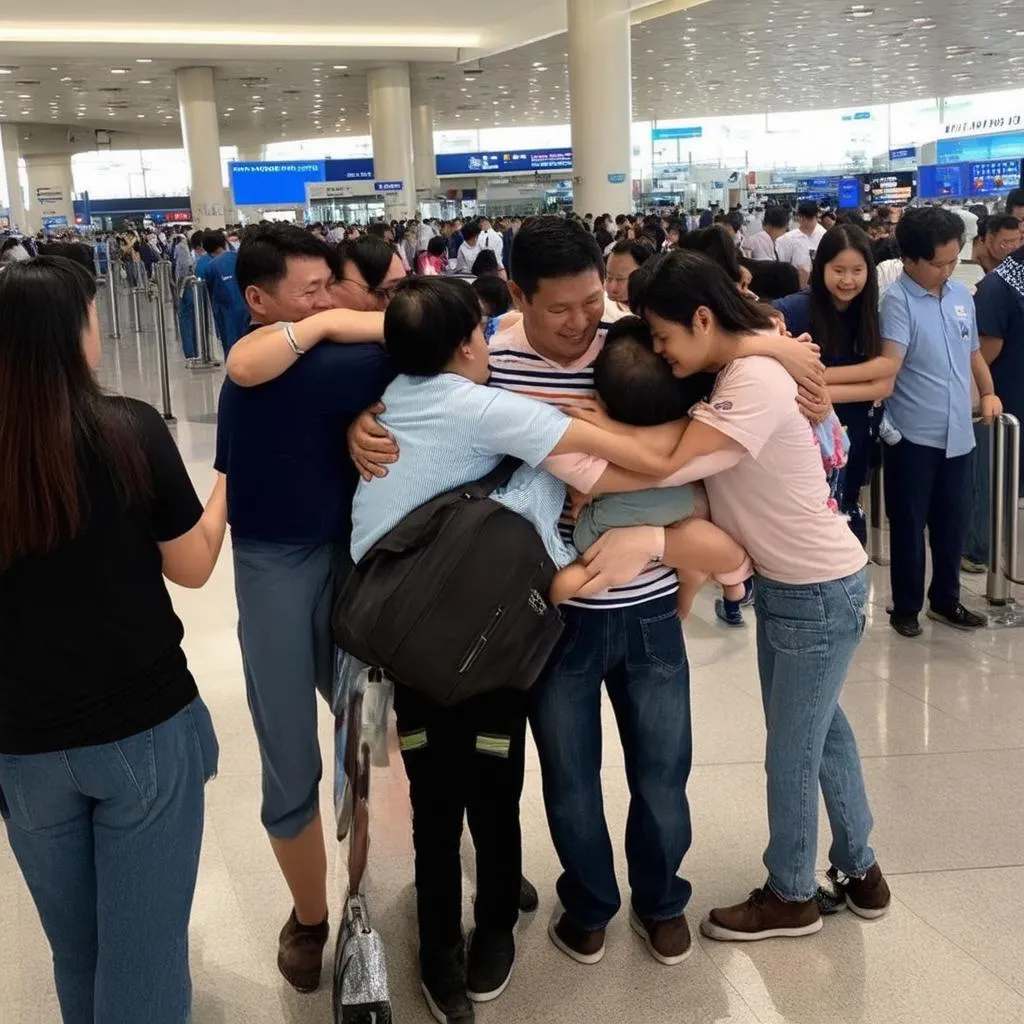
column 697, row 549
column 436, row 789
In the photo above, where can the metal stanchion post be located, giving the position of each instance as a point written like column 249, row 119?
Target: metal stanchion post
column 136, row 311
column 998, row 589
column 878, row 547
column 199, row 306
column 1004, row 522
column 163, row 270
column 115, row 326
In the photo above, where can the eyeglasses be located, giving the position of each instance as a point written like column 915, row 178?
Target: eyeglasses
column 384, row 293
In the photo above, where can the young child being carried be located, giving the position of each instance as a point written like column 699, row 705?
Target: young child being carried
column 637, row 389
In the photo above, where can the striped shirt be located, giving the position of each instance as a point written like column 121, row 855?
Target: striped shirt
column 517, row 366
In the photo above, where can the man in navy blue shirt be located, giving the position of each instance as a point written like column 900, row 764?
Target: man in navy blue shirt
column 282, row 445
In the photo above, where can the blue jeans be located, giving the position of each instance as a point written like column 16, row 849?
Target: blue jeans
column 806, row 638
column 108, row 840
column 639, row 654
column 976, row 546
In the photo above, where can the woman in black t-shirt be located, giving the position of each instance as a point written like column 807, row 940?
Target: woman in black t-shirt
column 105, row 745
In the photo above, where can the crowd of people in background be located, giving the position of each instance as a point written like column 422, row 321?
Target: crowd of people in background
column 428, row 350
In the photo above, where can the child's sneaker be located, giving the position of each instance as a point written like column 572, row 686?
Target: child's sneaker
column 748, row 593
column 729, row 612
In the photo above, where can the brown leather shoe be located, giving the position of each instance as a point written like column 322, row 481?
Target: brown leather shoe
column 584, row 947
column 667, row 941
column 763, row 916
column 300, row 955
column 867, row 897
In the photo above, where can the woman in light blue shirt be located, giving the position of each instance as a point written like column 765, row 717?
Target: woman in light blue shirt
column 467, row 760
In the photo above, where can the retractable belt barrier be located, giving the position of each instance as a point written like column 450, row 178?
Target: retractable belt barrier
column 158, row 297
column 1004, row 569
column 1004, row 528
column 202, row 314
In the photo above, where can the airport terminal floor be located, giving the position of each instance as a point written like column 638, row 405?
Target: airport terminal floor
column 940, row 722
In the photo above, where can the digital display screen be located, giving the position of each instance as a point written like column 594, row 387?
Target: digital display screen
column 994, row 177
column 935, row 182
column 892, row 189
column 266, row 182
column 505, row 162
column 978, row 148
column 851, row 191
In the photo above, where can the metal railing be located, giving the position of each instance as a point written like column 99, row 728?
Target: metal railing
column 1004, row 523
column 878, row 536
column 162, row 279
column 202, row 315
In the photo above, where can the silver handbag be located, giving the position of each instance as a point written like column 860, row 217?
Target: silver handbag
column 361, row 993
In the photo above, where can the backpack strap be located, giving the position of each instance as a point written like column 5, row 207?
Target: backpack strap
column 498, row 477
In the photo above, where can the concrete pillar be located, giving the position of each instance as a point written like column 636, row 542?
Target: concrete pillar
column 50, row 188
column 387, row 89
column 423, row 149
column 12, row 151
column 600, row 101
column 200, row 135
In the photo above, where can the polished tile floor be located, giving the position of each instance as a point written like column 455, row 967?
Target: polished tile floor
column 941, row 727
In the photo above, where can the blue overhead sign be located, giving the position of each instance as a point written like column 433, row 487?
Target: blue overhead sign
column 265, row 182
column 616, row 178
column 690, row 132
column 903, row 153
column 358, row 169
column 978, row 148
column 387, row 186
column 448, row 164
column 860, row 115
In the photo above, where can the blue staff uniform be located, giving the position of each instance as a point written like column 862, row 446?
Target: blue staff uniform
column 928, row 472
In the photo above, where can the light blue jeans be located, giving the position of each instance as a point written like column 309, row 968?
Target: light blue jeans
column 108, row 840
column 806, row 638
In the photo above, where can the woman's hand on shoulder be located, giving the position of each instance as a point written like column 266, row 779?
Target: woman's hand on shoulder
column 801, row 358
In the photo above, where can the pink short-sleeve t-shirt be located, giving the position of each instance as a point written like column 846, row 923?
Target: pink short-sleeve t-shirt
column 774, row 501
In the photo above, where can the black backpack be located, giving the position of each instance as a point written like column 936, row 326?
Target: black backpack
column 453, row 602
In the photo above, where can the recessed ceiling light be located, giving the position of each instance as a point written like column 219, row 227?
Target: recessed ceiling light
column 144, row 81
column 24, row 96
column 119, row 71
column 143, row 60
column 341, row 67
column 140, row 115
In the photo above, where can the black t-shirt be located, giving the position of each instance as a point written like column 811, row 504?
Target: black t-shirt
column 90, row 646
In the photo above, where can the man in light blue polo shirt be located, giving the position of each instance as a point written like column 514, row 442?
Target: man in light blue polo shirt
column 930, row 332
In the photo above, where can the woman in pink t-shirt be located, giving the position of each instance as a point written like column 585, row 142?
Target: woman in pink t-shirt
column 770, row 494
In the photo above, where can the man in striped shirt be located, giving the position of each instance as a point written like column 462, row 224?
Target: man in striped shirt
column 628, row 637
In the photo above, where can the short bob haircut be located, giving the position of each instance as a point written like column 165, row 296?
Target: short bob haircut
column 426, row 321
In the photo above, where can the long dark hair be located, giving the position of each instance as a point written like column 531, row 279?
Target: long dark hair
column 52, row 411
column 826, row 327
column 716, row 243
column 675, row 285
